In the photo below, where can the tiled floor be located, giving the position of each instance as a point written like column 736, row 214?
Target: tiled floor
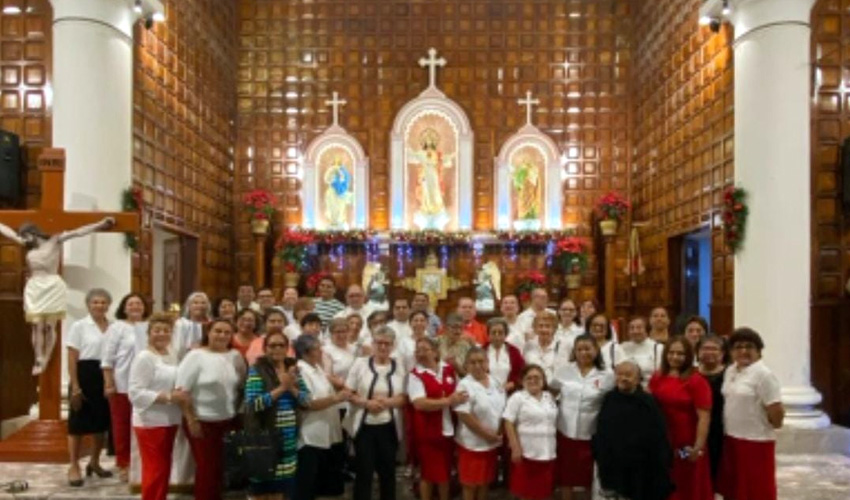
column 800, row 477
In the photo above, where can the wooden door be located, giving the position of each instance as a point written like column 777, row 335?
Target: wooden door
column 172, row 292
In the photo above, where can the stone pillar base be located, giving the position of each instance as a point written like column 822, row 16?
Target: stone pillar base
column 800, row 411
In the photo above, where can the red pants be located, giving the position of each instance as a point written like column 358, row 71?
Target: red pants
column 208, row 452
column 155, row 447
column 121, row 412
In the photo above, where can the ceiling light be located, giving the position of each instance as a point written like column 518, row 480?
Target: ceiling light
column 159, row 17
column 11, row 9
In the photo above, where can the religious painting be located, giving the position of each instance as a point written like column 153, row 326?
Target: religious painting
column 527, row 177
column 335, row 188
column 431, row 172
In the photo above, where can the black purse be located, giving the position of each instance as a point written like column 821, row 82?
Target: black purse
column 249, row 455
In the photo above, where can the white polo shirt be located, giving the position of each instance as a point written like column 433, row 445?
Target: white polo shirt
column 337, row 361
column 647, row 355
column 547, row 357
column 486, row 404
column 120, row 345
column 612, row 351
column 517, row 336
column 185, row 336
column 85, row 336
column 526, row 318
column 321, row 428
column 747, row 392
column 580, row 399
column 568, row 334
column 401, row 328
column 535, row 421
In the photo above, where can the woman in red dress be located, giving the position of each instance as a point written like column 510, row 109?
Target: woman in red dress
column 431, row 390
column 685, row 398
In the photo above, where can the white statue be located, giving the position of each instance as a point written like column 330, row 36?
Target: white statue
column 44, row 293
column 488, row 287
column 375, row 284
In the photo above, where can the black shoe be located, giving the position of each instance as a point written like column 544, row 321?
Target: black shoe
column 75, row 483
column 100, row 472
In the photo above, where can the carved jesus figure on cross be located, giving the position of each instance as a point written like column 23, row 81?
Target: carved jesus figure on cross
column 45, row 291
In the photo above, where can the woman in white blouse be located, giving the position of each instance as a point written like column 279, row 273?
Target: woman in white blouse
column 530, row 417
column 545, row 350
column 210, row 380
column 89, row 412
column 504, row 359
column 641, row 349
column 337, row 354
column 569, row 326
column 599, row 326
column 582, row 385
column 156, row 413
column 752, row 412
column 124, row 339
column 188, row 329
column 320, row 450
column 479, row 435
column 375, row 420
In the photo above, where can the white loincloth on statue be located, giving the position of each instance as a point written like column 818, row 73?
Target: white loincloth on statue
column 45, row 298
column 182, row 465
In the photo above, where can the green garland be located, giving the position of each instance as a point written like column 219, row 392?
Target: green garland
column 735, row 212
column 131, row 201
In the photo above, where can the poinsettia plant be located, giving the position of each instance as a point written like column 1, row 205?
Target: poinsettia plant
column 132, row 200
column 735, row 212
column 571, row 254
column 292, row 249
column 612, row 206
column 528, row 281
column 260, row 204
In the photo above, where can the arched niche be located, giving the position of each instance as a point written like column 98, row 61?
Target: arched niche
column 322, row 155
column 528, row 143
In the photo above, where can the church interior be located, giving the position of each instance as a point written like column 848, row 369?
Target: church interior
column 183, row 110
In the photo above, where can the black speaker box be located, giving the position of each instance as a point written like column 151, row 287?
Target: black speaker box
column 11, row 187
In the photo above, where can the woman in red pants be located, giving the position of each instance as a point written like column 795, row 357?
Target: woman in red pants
column 124, row 339
column 156, row 414
column 210, row 378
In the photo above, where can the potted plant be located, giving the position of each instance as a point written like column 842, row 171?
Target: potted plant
column 528, row 281
column 610, row 209
column 291, row 248
column 571, row 254
column 260, row 204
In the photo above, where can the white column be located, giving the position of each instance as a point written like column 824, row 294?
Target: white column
column 772, row 161
column 92, row 121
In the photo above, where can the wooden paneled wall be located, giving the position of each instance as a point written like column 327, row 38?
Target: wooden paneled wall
column 573, row 54
column 683, row 145
column 25, row 50
column 830, row 231
column 183, row 134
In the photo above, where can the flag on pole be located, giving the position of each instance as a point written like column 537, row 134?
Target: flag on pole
column 634, row 263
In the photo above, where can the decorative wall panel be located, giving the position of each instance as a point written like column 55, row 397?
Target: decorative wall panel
column 183, row 134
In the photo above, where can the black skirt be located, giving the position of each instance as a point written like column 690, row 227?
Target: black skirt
column 93, row 415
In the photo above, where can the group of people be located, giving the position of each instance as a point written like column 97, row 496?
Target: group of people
column 544, row 399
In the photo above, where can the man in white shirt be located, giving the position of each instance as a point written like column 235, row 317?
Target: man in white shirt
column 266, row 300
column 355, row 300
column 539, row 303
column 245, row 298
column 421, row 302
column 290, row 296
column 401, row 316
column 509, row 307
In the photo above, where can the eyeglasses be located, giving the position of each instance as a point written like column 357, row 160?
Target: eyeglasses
column 744, row 347
column 276, row 345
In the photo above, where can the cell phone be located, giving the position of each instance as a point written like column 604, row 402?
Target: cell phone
column 683, row 453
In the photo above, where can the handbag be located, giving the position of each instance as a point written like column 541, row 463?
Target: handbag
column 249, row 455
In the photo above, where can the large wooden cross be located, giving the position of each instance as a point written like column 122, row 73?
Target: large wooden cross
column 52, row 218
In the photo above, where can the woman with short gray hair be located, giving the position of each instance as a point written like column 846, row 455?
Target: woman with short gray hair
column 89, row 411
column 320, row 446
column 375, row 418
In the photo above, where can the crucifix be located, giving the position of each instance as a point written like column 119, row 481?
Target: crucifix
column 42, row 232
column 336, row 102
column 432, row 62
column 529, row 103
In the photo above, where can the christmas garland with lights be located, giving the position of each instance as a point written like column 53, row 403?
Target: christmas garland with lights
column 735, row 212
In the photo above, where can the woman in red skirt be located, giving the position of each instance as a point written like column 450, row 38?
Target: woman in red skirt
column 684, row 397
column 431, row 389
column 583, row 384
column 752, row 411
column 478, row 432
column 529, row 419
